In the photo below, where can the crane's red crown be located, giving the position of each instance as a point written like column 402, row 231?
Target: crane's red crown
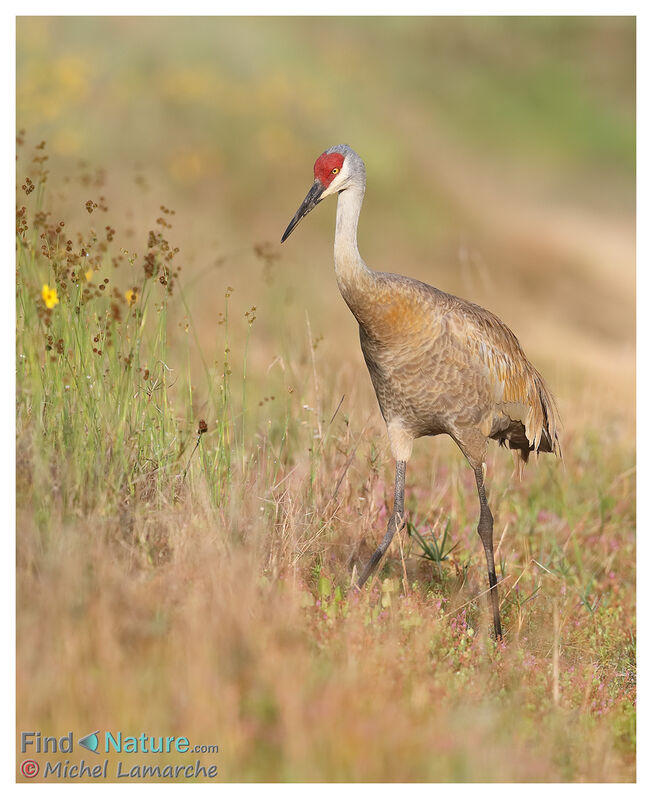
column 324, row 166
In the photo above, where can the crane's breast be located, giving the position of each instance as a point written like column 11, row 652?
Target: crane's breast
column 420, row 374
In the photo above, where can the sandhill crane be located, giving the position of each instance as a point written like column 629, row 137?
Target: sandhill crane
column 438, row 363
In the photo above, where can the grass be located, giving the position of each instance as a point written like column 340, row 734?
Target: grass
column 189, row 523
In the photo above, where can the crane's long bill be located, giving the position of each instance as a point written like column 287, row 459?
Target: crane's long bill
column 312, row 198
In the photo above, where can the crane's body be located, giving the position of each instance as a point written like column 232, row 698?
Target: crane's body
column 438, row 363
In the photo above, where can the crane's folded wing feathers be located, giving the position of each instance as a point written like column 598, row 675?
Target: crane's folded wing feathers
column 519, row 391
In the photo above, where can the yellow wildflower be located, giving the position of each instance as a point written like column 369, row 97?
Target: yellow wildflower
column 89, row 275
column 131, row 296
column 49, row 296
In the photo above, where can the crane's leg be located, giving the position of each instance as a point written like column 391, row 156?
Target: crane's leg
column 396, row 522
column 486, row 533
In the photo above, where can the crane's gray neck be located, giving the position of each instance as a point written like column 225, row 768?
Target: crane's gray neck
column 353, row 275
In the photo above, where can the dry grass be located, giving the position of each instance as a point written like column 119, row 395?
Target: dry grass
column 239, row 637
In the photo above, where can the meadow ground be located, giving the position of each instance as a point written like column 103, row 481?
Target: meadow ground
column 178, row 582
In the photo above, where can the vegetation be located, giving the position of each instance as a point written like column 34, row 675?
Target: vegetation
column 201, row 466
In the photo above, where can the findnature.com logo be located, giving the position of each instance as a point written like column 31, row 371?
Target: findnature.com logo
column 110, row 743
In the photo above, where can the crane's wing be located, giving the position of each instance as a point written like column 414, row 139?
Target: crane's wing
column 518, row 389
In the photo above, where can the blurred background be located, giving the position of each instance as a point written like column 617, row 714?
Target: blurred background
column 500, row 155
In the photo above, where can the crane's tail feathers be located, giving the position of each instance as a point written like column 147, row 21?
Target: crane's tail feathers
column 520, row 459
column 552, row 427
column 540, row 430
column 549, row 438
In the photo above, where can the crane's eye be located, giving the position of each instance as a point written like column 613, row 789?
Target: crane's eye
column 335, row 171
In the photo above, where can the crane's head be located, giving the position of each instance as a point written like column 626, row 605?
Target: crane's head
column 335, row 170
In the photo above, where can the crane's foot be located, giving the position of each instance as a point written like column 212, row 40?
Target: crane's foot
column 493, row 593
column 395, row 523
column 486, row 532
